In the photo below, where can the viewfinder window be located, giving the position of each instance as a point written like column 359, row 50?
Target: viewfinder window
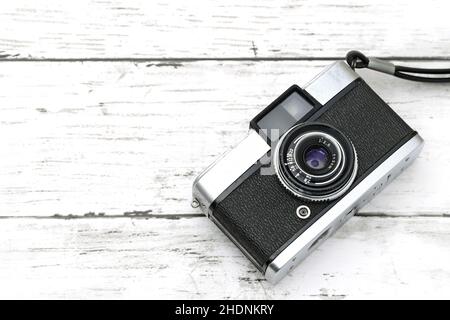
column 285, row 114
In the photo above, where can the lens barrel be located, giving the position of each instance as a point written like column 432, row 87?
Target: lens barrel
column 315, row 161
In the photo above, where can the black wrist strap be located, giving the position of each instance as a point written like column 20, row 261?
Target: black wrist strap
column 356, row 59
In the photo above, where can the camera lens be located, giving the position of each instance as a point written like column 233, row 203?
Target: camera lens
column 315, row 161
column 316, row 157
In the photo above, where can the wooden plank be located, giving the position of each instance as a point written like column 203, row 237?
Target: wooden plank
column 113, row 138
column 190, row 258
column 205, row 29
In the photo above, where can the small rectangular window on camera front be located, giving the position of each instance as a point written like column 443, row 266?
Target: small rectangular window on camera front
column 285, row 114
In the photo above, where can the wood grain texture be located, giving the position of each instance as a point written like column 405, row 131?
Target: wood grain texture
column 129, row 138
column 190, row 258
column 210, row 29
column 124, row 102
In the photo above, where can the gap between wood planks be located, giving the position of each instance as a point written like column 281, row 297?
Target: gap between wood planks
column 145, row 215
column 11, row 58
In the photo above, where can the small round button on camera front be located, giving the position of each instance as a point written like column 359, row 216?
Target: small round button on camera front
column 303, row 212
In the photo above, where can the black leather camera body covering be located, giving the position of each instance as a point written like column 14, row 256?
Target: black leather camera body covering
column 259, row 214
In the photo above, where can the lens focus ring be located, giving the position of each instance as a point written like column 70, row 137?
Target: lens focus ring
column 315, row 162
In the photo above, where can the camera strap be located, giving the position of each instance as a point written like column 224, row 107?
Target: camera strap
column 357, row 60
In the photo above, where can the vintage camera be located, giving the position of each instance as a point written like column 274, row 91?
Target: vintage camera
column 311, row 159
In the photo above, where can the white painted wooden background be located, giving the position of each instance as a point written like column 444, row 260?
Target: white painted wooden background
column 108, row 110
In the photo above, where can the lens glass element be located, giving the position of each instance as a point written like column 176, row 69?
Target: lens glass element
column 316, row 157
